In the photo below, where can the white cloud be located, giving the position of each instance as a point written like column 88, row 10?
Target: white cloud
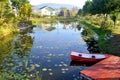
column 78, row 3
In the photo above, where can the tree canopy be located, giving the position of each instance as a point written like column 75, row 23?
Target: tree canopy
column 101, row 6
column 21, row 8
column 87, row 7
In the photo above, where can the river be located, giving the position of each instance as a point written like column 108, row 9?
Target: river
column 42, row 53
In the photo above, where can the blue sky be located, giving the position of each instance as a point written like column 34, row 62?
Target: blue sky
column 78, row 3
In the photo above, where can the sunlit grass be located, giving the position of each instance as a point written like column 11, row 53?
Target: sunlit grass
column 116, row 30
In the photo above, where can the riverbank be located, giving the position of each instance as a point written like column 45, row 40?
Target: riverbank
column 36, row 21
column 11, row 28
column 109, row 45
column 7, row 29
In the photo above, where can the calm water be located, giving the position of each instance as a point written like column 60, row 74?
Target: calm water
column 42, row 53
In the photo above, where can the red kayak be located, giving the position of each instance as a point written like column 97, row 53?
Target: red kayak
column 87, row 57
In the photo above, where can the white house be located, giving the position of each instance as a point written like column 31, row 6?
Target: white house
column 47, row 11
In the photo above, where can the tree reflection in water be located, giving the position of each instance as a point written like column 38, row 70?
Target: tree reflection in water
column 91, row 38
column 22, row 45
column 14, row 61
column 5, row 48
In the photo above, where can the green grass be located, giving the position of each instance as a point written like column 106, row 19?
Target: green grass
column 67, row 19
column 101, row 33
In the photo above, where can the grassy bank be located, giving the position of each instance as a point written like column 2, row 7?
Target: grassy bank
column 110, row 45
column 69, row 19
column 102, row 43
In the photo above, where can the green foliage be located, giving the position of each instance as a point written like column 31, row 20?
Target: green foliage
column 87, row 7
column 2, row 5
column 1, row 21
column 80, row 12
column 16, row 4
column 11, row 11
column 25, row 11
column 1, row 78
column 101, row 33
column 101, row 6
column 114, row 18
column 35, row 15
column 106, row 7
column 22, row 7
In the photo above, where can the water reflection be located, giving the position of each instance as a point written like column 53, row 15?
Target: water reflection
column 22, row 45
column 16, row 64
column 69, row 25
column 26, row 30
column 91, row 38
column 75, row 63
column 47, row 26
column 5, row 48
column 44, row 55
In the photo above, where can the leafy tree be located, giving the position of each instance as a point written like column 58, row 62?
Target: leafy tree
column 2, row 5
column 87, row 7
column 105, row 7
column 100, row 7
column 80, row 12
column 114, row 6
column 25, row 11
column 17, row 4
column 8, row 12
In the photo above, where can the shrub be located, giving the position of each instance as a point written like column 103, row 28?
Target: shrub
column 1, row 22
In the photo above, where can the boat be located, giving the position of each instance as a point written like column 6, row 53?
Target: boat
column 87, row 57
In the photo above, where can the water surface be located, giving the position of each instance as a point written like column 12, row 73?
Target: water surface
column 42, row 53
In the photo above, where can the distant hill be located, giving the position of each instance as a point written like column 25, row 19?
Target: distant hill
column 54, row 5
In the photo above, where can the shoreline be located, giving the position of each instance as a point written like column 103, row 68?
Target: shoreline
column 110, row 45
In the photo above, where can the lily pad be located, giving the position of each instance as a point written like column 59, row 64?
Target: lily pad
column 37, row 65
column 63, row 72
column 49, row 69
column 51, row 73
column 65, row 65
column 50, row 54
column 44, row 69
column 60, row 65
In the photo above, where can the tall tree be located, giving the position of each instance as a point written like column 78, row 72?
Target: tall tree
column 80, row 12
column 17, row 4
column 87, row 7
column 103, row 7
column 25, row 11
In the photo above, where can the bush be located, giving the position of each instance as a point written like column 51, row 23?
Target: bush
column 1, row 22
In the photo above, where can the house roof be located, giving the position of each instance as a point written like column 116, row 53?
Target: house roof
column 48, row 8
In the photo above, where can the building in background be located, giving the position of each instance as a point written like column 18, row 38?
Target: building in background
column 47, row 11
